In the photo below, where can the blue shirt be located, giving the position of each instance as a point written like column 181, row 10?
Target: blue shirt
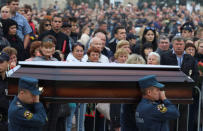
column 154, row 116
column 179, row 59
column 22, row 117
column 23, row 25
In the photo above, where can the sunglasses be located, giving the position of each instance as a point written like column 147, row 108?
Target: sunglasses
column 47, row 24
column 149, row 28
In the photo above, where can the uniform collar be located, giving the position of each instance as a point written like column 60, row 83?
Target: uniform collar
column 149, row 101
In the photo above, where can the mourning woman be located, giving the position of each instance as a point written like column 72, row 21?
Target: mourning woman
column 10, row 33
column 93, row 54
column 149, row 36
column 47, row 50
column 77, row 53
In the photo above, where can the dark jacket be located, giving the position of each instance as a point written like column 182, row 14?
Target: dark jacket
column 161, row 52
column 74, row 36
column 3, row 42
column 154, row 116
column 16, row 43
column 113, row 44
column 23, row 117
column 108, row 53
column 199, row 57
column 189, row 65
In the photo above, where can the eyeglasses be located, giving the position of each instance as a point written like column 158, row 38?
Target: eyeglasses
column 47, row 24
column 149, row 28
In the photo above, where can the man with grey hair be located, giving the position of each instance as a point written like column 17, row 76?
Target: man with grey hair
column 163, row 45
column 105, row 50
column 153, row 58
column 177, row 56
column 97, row 43
column 189, row 66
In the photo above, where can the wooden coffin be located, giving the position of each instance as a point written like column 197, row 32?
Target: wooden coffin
column 96, row 82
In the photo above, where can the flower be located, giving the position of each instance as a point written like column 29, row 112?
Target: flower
column 200, row 66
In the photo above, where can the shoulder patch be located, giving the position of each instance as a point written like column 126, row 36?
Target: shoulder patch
column 28, row 115
column 162, row 108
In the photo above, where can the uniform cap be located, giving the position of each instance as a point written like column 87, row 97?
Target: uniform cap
column 30, row 84
column 4, row 57
column 149, row 81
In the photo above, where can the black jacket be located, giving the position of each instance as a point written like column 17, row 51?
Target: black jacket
column 113, row 44
column 108, row 53
column 189, row 64
column 199, row 57
column 17, row 43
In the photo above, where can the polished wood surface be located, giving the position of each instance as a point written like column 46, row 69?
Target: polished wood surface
column 102, row 84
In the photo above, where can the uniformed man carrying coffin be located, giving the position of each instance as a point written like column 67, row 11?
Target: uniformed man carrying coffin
column 154, row 110
column 26, row 112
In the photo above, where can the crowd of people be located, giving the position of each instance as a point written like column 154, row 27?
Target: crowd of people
column 146, row 34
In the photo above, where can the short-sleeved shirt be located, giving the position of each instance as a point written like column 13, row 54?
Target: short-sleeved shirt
column 23, row 25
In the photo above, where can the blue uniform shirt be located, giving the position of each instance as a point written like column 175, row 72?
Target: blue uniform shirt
column 23, row 26
column 23, row 117
column 154, row 116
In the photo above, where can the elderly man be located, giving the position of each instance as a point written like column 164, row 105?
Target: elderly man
column 189, row 66
column 97, row 42
column 26, row 112
column 178, row 57
column 163, row 45
column 155, row 110
column 105, row 50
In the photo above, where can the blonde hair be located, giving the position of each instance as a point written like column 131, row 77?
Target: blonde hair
column 122, row 43
column 120, row 51
column 199, row 42
column 135, row 59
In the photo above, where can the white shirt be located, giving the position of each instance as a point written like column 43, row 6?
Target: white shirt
column 102, row 59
